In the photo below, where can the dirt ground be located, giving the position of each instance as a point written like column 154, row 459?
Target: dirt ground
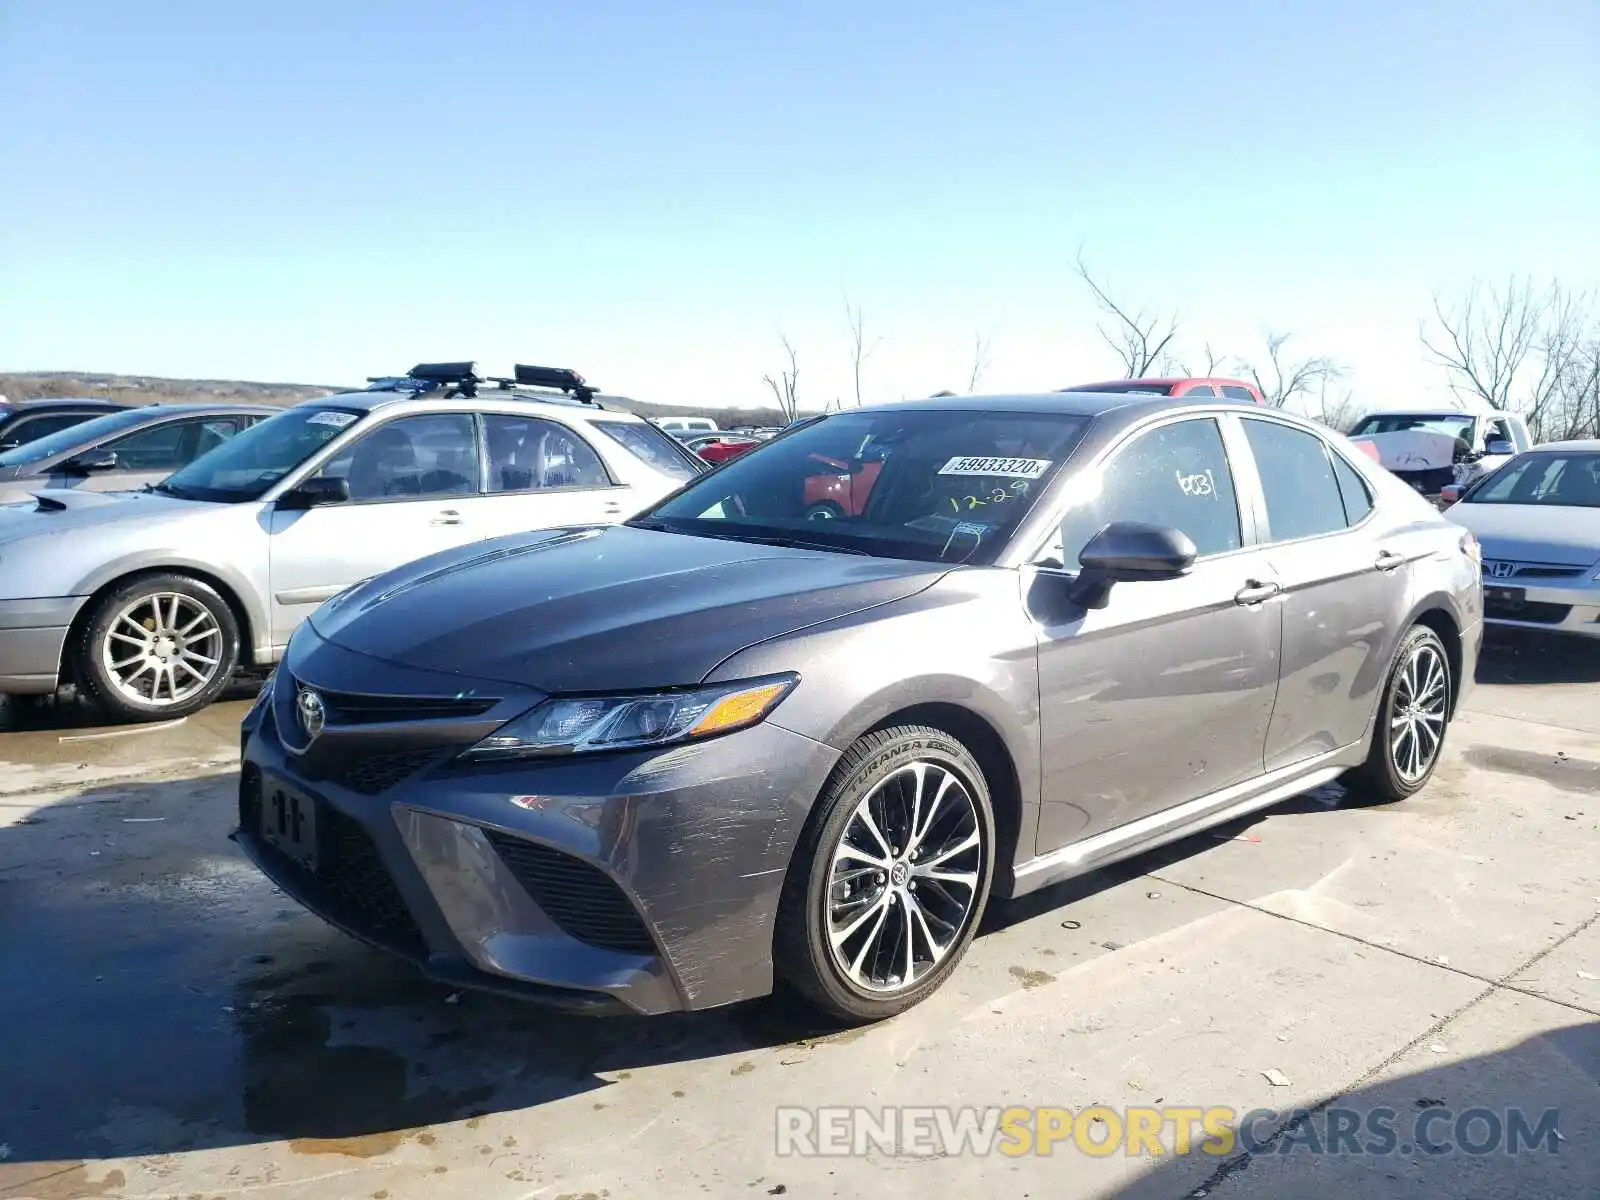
column 170, row 1025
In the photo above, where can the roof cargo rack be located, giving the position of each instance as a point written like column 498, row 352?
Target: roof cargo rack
column 425, row 377
column 562, row 379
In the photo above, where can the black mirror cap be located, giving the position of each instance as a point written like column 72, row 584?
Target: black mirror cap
column 1129, row 551
column 314, row 493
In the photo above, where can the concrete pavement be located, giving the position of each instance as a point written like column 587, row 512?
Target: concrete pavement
column 171, row 1026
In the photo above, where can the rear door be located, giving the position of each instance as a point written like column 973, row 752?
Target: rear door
column 412, row 482
column 541, row 474
column 1345, row 587
column 1164, row 694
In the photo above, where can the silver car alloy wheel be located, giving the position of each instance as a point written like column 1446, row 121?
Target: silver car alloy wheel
column 904, row 878
column 1417, row 718
column 162, row 649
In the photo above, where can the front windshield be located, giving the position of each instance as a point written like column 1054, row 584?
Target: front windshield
column 1446, row 423
column 245, row 466
column 944, row 485
column 1549, row 479
column 64, row 441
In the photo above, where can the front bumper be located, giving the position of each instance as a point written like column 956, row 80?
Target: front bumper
column 1571, row 609
column 643, row 881
column 33, row 634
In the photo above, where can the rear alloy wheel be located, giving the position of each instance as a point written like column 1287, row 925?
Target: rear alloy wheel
column 1412, row 720
column 158, row 647
column 889, row 885
column 824, row 510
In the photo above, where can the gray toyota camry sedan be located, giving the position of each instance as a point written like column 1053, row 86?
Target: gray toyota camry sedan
column 798, row 723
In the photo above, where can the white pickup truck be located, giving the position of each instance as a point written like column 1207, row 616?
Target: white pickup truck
column 1431, row 450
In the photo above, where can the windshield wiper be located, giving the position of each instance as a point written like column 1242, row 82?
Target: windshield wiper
column 792, row 543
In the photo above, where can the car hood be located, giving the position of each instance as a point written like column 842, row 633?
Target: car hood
column 1539, row 533
column 57, row 511
column 1411, row 449
column 577, row 610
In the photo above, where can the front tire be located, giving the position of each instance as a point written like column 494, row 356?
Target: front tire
column 1413, row 717
column 891, row 877
column 158, row 647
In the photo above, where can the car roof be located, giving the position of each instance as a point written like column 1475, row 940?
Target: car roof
column 1161, row 381
column 1072, row 404
column 507, row 399
column 47, row 402
column 201, row 409
column 1572, row 446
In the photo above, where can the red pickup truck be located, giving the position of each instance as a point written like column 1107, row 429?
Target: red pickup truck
column 1193, row 388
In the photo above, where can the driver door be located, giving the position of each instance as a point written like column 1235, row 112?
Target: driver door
column 412, row 480
column 1166, row 693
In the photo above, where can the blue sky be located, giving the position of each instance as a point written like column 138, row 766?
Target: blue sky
column 650, row 193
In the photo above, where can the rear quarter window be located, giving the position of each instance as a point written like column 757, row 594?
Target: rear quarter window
column 649, row 444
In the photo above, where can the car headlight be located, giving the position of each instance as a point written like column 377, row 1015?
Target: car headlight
column 585, row 725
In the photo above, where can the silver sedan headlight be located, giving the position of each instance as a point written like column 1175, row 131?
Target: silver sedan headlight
column 586, row 725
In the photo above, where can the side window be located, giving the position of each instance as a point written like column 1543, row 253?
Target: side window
column 1200, row 391
column 1177, row 476
column 157, row 449
column 412, row 458
column 1302, row 495
column 526, row 454
column 1234, row 392
column 1353, row 491
column 214, row 433
column 31, row 429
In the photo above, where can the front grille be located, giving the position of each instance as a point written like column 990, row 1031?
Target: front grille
column 1535, row 612
column 350, row 708
column 1549, row 572
column 371, row 774
column 580, row 898
column 350, row 884
column 1429, row 482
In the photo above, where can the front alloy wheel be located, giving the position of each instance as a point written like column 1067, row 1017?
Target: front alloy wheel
column 891, row 876
column 905, row 877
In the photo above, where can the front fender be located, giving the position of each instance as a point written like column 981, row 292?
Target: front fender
column 246, row 591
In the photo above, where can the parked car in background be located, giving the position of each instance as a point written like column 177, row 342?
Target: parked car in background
column 150, row 600
column 1431, row 449
column 1538, row 521
column 129, row 448
column 1196, row 388
column 669, row 764
column 28, row 420
column 720, row 447
column 684, row 427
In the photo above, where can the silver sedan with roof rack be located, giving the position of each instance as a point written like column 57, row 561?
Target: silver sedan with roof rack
column 149, row 601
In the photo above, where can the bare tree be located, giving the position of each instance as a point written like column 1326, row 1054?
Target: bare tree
column 1214, row 363
column 786, row 387
column 1280, row 377
column 1139, row 338
column 1520, row 348
column 859, row 350
column 1338, row 412
column 980, row 361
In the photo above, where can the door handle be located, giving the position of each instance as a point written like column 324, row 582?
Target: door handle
column 448, row 516
column 1388, row 560
column 613, row 510
column 1254, row 592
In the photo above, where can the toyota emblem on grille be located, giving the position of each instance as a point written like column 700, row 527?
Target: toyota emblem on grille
column 313, row 714
column 1500, row 570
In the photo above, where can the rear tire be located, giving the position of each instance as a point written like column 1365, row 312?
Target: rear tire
column 157, row 648
column 890, row 878
column 1413, row 718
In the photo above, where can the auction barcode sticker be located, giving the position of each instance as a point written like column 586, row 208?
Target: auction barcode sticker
column 1005, row 468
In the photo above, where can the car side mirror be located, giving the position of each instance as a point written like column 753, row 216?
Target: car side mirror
column 91, row 462
column 1450, row 493
column 1499, row 446
column 1131, row 552
column 316, row 492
